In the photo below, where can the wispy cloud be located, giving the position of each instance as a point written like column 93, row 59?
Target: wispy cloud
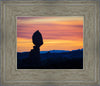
column 52, row 28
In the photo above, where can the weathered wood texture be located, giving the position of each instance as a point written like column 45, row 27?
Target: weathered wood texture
column 89, row 75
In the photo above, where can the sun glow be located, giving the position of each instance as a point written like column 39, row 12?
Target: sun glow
column 59, row 33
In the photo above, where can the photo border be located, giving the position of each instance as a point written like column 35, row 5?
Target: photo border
column 7, row 6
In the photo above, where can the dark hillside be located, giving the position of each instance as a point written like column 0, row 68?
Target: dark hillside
column 53, row 60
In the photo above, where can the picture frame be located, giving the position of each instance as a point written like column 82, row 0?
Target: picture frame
column 90, row 73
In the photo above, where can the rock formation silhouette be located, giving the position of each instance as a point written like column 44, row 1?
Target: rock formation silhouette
column 34, row 54
column 33, row 61
column 37, row 39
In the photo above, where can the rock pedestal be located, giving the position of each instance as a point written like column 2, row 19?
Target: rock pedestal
column 34, row 55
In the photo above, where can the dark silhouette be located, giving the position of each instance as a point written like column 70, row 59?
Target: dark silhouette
column 33, row 60
column 53, row 60
column 49, row 60
column 34, row 55
column 37, row 38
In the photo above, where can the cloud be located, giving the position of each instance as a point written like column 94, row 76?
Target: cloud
column 54, row 29
column 50, row 20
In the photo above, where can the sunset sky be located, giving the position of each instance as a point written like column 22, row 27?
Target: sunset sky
column 59, row 33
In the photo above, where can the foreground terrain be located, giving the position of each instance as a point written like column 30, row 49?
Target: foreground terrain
column 54, row 59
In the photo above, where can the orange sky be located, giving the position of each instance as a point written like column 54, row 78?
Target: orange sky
column 59, row 33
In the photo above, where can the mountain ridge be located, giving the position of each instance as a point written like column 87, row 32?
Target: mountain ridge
column 54, row 51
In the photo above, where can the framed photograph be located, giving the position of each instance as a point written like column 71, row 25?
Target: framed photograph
column 50, row 42
column 58, row 42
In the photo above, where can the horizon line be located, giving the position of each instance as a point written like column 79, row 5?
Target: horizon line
column 52, row 50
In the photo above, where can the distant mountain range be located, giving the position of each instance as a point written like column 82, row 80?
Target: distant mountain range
column 22, row 55
column 54, row 51
column 58, row 51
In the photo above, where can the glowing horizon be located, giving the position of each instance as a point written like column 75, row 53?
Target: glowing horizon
column 59, row 33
